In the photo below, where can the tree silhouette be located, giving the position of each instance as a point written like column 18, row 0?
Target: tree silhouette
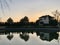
column 24, row 21
column 56, row 15
column 10, row 21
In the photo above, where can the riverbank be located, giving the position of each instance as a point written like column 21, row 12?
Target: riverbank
column 30, row 29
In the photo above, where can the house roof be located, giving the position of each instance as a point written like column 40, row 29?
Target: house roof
column 46, row 16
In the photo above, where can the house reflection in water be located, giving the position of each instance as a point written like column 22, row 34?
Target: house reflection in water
column 47, row 36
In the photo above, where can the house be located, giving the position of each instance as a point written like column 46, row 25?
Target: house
column 46, row 20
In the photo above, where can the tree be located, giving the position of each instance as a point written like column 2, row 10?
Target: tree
column 24, row 21
column 56, row 15
column 10, row 21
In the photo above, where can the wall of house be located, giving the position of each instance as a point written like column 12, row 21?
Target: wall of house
column 45, row 20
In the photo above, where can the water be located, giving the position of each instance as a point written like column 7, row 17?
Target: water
column 27, row 38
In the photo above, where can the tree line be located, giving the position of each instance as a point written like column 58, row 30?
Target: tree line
column 24, row 22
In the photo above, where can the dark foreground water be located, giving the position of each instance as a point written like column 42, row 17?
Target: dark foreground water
column 30, row 38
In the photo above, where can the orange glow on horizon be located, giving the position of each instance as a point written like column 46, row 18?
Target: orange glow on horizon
column 17, row 16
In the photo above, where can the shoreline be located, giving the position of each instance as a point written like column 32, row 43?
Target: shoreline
column 30, row 29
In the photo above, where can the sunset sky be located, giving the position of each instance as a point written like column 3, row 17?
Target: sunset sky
column 31, row 8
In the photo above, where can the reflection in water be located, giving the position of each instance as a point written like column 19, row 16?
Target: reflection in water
column 24, row 36
column 48, row 36
column 9, row 36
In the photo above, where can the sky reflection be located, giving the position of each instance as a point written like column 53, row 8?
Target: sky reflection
column 33, row 40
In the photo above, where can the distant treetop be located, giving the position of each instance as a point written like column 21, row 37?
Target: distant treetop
column 9, row 20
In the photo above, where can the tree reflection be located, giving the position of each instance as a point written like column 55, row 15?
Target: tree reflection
column 47, row 36
column 9, row 36
column 24, row 36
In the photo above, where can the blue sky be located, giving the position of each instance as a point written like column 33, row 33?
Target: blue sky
column 31, row 8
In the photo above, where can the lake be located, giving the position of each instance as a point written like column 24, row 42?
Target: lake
column 29, row 38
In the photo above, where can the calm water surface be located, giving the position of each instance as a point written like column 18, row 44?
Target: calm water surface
column 29, row 39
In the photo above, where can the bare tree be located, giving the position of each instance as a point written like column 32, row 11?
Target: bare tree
column 56, row 14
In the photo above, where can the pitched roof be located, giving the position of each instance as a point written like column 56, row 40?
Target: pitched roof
column 46, row 16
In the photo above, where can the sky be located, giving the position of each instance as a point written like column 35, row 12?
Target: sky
column 33, row 9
